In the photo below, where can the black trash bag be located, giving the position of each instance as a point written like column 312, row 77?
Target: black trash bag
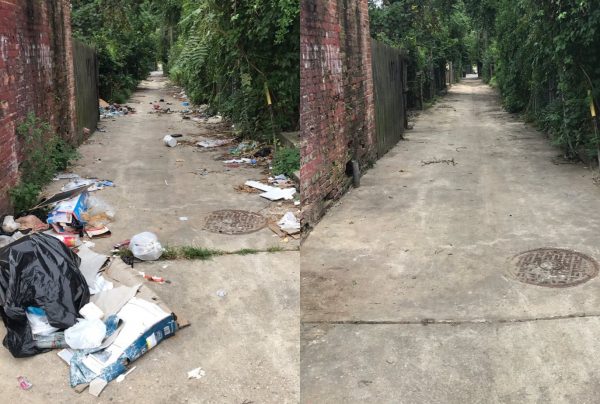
column 38, row 270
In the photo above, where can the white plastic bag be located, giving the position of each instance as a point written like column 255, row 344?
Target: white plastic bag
column 98, row 207
column 86, row 334
column 39, row 321
column 145, row 246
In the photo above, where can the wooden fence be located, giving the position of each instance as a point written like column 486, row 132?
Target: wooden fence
column 389, row 82
column 85, row 60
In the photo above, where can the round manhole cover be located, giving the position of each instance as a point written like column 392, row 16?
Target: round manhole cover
column 234, row 222
column 553, row 267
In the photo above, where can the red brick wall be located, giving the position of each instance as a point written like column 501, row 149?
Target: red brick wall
column 337, row 107
column 36, row 75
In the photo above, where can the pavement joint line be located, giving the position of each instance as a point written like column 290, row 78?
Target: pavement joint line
column 430, row 321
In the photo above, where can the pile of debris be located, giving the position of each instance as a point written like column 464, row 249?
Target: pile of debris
column 113, row 110
column 56, row 293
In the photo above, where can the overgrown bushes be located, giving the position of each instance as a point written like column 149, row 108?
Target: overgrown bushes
column 44, row 154
column 239, row 56
column 433, row 32
column 125, row 34
column 545, row 58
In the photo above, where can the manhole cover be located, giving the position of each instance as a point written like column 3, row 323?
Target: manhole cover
column 553, row 267
column 235, row 222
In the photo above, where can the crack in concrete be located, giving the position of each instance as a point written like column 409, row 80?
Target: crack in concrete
column 432, row 321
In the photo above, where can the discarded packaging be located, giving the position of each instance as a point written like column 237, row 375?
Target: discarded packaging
column 6, row 240
column 9, row 225
column 31, row 222
column 91, row 312
column 124, row 375
column 272, row 193
column 24, row 384
column 289, row 223
column 38, row 321
column 170, row 141
column 86, row 334
column 210, row 143
column 145, row 246
column 38, row 271
column 157, row 279
column 240, row 161
column 55, row 340
column 197, row 373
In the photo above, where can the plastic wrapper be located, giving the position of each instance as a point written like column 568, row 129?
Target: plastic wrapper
column 86, row 334
column 38, row 271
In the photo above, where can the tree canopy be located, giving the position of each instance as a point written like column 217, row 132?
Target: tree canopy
column 543, row 55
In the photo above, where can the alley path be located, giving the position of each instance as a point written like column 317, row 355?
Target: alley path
column 247, row 340
column 405, row 289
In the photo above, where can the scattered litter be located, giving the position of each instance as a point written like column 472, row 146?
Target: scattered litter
column 197, row 373
column 221, row 293
column 114, row 110
column 272, row 193
column 120, row 244
column 31, row 222
column 70, row 241
column 93, row 184
column 124, row 375
column 61, row 196
column 6, row 240
column 240, row 161
column 9, row 225
column 170, row 141
column 145, row 246
column 38, row 321
column 96, row 386
column 157, row 279
column 243, row 148
column 210, row 143
column 91, row 312
column 297, row 203
column 65, row 176
column 86, row 334
column 39, row 271
column 183, row 219
column 213, row 120
column 66, row 216
column 24, row 384
column 289, row 223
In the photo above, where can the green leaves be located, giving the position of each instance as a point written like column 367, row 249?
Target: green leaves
column 227, row 51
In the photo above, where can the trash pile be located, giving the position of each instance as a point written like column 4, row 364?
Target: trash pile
column 56, row 293
column 113, row 110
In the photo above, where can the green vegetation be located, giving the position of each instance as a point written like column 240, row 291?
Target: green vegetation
column 202, row 254
column 545, row 58
column 125, row 34
column 542, row 55
column 432, row 32
column 236, row 56
column 44, row 154
column 286, row 161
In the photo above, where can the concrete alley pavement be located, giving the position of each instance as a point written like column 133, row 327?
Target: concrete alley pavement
column 406, row 289
column 246, row 339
